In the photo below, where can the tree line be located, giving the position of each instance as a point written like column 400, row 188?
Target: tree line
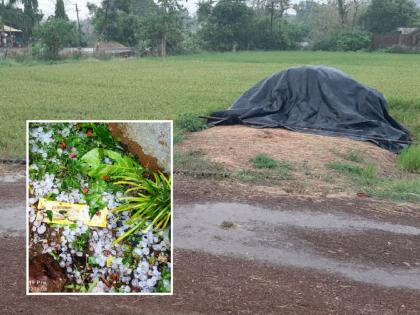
column 165, row 26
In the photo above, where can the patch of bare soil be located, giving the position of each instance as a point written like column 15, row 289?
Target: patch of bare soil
column 235, row 146
column 209, row 284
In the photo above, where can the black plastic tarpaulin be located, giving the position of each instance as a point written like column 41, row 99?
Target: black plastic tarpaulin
column 317, row 99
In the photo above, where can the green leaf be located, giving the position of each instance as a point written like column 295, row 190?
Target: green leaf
column 50, row 215
column 91, row 260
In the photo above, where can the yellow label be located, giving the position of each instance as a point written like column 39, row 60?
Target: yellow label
column 69, row 213
column 109, row 261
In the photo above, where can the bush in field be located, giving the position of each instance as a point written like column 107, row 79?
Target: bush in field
column 345, row 40
column 55, row 34
column 351, row 40
column 409, row 159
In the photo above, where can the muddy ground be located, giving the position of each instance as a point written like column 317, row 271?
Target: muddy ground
column 253, row 250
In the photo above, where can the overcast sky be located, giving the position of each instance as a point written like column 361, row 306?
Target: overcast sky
column 47, row 7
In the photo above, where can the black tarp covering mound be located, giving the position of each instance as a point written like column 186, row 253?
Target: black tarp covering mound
column 319, row 100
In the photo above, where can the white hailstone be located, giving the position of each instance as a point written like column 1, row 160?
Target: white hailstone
column 127, row 289
column 79, row 254
column 62, row 264
column 143, row 277
column 69, row 269
column 79, row 281
column 146, row 251
column 157, row 247
column 95, row 235
column 65, row 132
column 137, row 251
column 33, row 228
column 72, row 251
column 135, row 283
column 41, row 229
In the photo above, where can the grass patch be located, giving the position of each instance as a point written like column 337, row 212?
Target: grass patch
column 153, row 88
column 407, row 190
column 196, row 162
column 190, row 123
column 264, row 161
column 368, row 172
column 367, row 180
column 409, row 159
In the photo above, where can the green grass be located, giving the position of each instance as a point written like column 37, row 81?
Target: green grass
column 153, row 88
column 264, row 161
column 409, row 159
column 196, row 164
column 368, row 172
column 367, row 180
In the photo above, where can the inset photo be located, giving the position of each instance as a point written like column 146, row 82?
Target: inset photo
column 99, row 207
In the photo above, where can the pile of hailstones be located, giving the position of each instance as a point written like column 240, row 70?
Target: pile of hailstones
column 142, row 278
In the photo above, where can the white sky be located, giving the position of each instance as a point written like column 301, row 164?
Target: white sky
column 47, row 7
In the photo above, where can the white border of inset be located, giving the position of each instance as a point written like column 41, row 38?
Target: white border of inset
column 27, row 202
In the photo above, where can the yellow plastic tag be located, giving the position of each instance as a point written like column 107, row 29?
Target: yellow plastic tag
column 69, row 213
column 109, row 261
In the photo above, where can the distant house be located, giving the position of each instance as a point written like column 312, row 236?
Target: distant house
column 402, row 36
column 10, row 36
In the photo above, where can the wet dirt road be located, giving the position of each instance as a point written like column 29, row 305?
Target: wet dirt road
column 242, row 250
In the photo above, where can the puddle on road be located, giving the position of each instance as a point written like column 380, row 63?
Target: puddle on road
column 253, row 238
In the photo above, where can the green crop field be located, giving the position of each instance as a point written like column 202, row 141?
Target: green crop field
column 152, row 88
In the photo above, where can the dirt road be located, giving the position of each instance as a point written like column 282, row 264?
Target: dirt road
column 242, row 249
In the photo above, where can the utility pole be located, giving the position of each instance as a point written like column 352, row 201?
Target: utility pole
column 78, row 25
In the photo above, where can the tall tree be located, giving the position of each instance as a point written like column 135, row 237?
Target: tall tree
column 383, row 16
column 342, row 11
column 60, row 11
column 165, row 25
column 229, row 26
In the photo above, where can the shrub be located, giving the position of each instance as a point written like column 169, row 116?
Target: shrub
column 56, row 34
column 409, row 159
column 345, row 40
column 351, row 40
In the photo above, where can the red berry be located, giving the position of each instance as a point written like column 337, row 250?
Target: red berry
column 98, row 213
column 72, row 155
column 62, row 145
column 85, row 190
column 89, row 133
column 106, row 253
column 105, row 177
